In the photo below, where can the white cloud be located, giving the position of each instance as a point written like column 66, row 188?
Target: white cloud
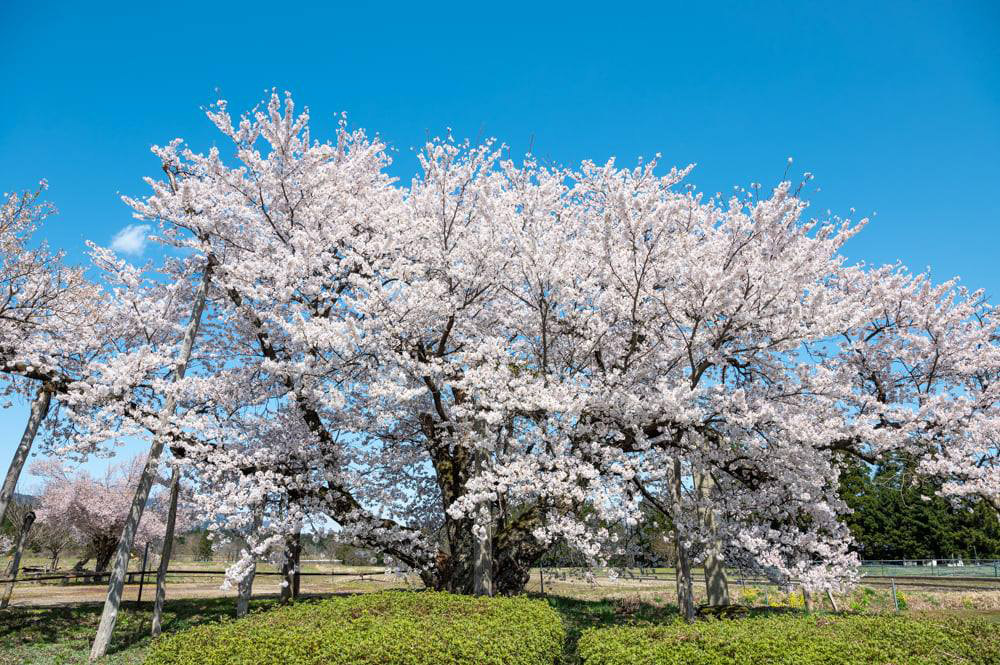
column 131, row 240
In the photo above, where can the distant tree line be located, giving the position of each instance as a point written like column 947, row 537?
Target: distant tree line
column 898, row 514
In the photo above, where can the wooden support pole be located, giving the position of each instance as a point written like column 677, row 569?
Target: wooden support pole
column 296, row 564
column 39, row 409
column 482, row 543
column 165, row 552
column 684, row 577
column 15, row 563
column 116, row 583
column 716, row 583
column 142, row 574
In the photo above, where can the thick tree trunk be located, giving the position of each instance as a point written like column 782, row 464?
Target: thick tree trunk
column 685, row 580
column 514, row 556
column 103, row 549
column 716, row 583
column 39, row 409
column 117, row 582
column 464, row 562
column 497, row 562
column 168, row 542
column 515, row 551
column 15, row 563
column 511, row 571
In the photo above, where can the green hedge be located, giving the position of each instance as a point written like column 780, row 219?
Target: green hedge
column 798, row 640
column 390, row 628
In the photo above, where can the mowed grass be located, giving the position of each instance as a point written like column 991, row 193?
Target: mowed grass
column 62, row 635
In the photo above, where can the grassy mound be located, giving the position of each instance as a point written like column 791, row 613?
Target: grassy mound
column 390, row 628
column 797, row 640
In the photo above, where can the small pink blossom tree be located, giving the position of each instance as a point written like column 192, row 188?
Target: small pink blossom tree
column 94, row 509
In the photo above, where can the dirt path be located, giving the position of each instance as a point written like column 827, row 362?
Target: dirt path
column 28, row 594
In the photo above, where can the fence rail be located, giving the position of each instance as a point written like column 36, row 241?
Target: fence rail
column 985, row 575
column 152, row 572
column 932, row 568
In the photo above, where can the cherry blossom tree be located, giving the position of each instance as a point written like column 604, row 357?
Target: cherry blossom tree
column 730, row 340
column 54, row 536
column 496, row 357
column 95, row 508
column 45, row 319
column 329, row 211
column 65, row 337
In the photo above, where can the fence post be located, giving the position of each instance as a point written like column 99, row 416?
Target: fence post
column 895, row 598
column 541, row 580
column 142, row 573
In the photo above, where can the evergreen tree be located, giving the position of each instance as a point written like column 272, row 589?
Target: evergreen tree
column 898, row 515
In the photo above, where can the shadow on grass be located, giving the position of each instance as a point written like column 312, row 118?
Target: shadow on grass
column 48, row 631
column 579, row 615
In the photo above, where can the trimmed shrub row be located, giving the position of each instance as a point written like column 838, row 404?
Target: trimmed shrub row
column 427, row 628
column 798, row 640
column 390, row 628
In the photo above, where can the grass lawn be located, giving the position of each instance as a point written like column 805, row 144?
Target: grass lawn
column 52, row 635
column 62, row 635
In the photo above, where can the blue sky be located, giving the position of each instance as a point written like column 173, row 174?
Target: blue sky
column 895, row 107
